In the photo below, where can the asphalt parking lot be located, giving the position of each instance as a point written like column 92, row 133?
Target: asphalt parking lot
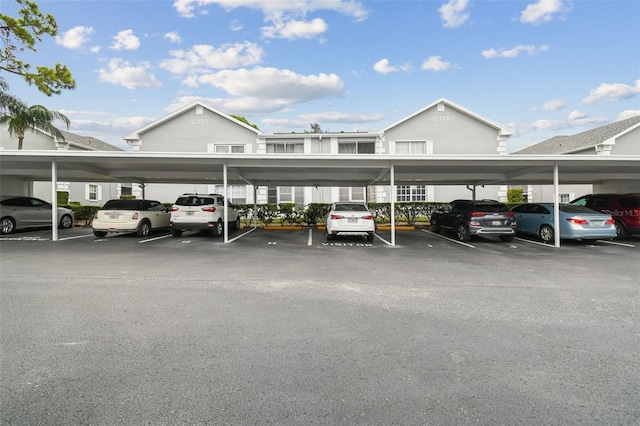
column 281, row 327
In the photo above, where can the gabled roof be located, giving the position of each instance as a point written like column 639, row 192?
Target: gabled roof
column 136, row 134
column 584, row 140
column 88, row 143
column 503, row 130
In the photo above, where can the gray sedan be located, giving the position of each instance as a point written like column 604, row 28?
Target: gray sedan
column 20, row 212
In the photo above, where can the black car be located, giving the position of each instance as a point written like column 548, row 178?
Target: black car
column 467, row 218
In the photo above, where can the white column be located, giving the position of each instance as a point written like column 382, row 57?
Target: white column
column 556, row 205
column 54, row 200
column 393, row 204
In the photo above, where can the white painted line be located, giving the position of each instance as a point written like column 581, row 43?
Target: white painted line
column 310, row 239
column 615, row 243
column 448, row 239
column 73, row 238
column 382, row 239
column 241, row 235
column 540, row 243
column 161, row 237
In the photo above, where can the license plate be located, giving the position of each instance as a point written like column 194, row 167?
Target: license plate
column 353, row 220
column 597, row 222
column 496, row 222
column 189, row 213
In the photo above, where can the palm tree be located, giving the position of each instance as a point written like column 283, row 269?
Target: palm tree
column 19, row 118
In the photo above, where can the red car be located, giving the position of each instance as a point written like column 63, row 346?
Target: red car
column 624, row 208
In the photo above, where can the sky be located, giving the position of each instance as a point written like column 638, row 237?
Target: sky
column 540, row 68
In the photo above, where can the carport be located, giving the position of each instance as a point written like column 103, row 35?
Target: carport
column 316, row 170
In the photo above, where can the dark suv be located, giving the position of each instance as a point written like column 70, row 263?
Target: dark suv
column 624, row 208
column 475, row 217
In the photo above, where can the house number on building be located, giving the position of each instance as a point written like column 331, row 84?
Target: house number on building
column 199, row 121
column 440, row 118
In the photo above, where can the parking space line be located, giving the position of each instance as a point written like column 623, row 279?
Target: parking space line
column 535, row 242
column 382, row 239
column 310, row 238
column 154, row 239
column 616, row 243
column 242, row 235
column 448, row 239
column 76, row 237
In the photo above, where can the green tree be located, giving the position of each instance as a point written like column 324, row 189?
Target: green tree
column 515, row 195
column 19, row 118
column 24, row 32
column 8, row 101
column 245, row 121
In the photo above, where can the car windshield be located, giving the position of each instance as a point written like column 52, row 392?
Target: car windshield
column 570, row 208
column 490, row 207
column 194, row 201
column 351, row 208
column 126, row 205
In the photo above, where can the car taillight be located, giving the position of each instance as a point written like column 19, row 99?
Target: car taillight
column 336, row 216
column 174, row 209
column 577, row 221
column 134, row 216
column 610, row 221
column 368, row 217
column 209, row 209
column 509, row 214
column 477, row 214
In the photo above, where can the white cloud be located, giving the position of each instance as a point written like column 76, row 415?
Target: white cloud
column 173, row 37
column 75, row 38
column 272, row 84
column 295, row 29
column 612, row 92
column 552, row 105
column 542, row 11
column 577, row 115
column 125, row 40
column 435, row 63
column 274, row 9
column 204, row 58
column 383, row 67
column 630, row 113
column 120, row 72
column 236, row 25
column 454, row 13
column 514, row 51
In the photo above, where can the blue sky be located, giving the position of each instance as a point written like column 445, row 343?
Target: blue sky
column 539, row 67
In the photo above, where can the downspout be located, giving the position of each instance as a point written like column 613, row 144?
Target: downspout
column 473, row 191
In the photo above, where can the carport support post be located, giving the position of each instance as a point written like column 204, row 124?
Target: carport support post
column 255, row 207
column 54, row 200
column 226, row 201
column 392, row 172
column 556, row 206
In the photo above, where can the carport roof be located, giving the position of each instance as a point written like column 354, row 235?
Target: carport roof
column 316, row 170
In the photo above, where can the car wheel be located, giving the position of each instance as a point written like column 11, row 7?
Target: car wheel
column 434, row 226
column 463, row 234
column 506, row 238
column 66, row 222
column 144, row 229
column 217, row 229
column 100, row 234
column 621, row 233
column 328, row 236
column 176, row 232
column 370, row 237
column 546, row 234
column 7, row 225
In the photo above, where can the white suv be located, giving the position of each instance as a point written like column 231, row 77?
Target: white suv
column 201, row 212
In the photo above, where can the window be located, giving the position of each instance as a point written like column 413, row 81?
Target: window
column 356, row 148
column 565, row 198
column 226, row 149
column 286, row 194
column 93, row 192
column 412, row 148
column 285, row 148
column 412, row 193
column 235, row 193
column 352, row 194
